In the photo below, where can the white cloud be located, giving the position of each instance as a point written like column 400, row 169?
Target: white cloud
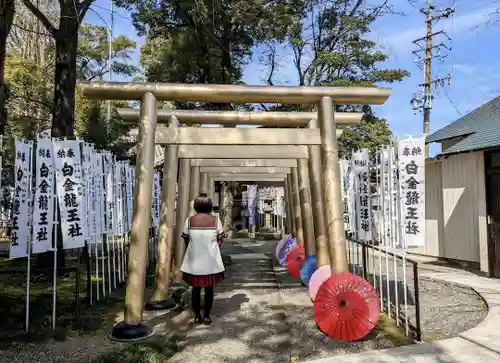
column 400, row 41
column 465, row 68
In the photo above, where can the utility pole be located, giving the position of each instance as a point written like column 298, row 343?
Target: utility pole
column 110, row 54
column 424, row 101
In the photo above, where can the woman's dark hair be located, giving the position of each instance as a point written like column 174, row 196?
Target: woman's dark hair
column 203, row 204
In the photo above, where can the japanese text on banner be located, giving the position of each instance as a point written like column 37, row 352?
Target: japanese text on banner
column 119, row 206
column 86, row 190
column 361, row 160
column 345, row 187
column 110, row 194
column 43, row 209
column 70, row 192
column 99, row 195
column 412, row 190
column 22, row 197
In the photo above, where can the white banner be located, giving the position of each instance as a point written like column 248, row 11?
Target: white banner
column 92, row 204
column 87, row 189
column 252, row 195
column 156, row 200
column 119, row 207
column 69, row 182
column 99, row 193
column 361, row 161
column 347, row 197
column 385, row 197
column 279, row 194
column 21, row 202
column 130, row 195
column 110, row 194
column 43, row 209
column 412, row 190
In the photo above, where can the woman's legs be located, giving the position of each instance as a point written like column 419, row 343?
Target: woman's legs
column 209, row 302
column 196, row 301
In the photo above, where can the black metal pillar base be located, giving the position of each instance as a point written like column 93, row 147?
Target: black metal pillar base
column 124, row 332
column 167, row 304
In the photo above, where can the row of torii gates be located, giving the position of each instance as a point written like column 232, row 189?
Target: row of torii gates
column 303, row 156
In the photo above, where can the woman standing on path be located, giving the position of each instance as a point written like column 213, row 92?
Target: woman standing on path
column 202, row 265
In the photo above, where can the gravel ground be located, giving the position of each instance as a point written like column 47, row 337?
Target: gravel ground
column 445, row 309
column 73, row 350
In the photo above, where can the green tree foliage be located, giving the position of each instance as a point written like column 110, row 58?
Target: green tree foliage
column 31, row 86
column 330, row 47
column 93, row 54
column 71, row 15
column 205, row 41
column 92, row 66
column 202, row 41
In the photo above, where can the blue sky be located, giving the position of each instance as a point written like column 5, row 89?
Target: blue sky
column 473, row 60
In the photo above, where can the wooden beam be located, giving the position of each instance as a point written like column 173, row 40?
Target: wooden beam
column 236, row 136
column 286, row 163
column 202, row 117
column 248, row 176
column 235, row 93
column 242, row 152
column 250, row 180
column 244, row 170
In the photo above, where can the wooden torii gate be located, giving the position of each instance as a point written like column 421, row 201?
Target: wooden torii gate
column 132, row 328
column 216, row 142
column 219, row 143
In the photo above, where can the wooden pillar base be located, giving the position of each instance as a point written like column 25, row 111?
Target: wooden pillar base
column 124, row 332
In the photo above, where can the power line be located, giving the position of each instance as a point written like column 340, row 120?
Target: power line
column 113, row 12
column 451, row 101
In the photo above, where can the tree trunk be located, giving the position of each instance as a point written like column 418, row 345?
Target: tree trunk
column 63, row 114
column 7, row 9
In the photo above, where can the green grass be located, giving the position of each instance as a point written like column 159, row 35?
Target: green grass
column 155, row 350
column 13, row 302
column 388, row 327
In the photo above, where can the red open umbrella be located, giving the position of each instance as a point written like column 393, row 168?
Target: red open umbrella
column 346, row 307
column 294, row 259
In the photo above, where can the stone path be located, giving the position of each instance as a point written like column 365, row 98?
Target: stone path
column 479, row 344
column 248, row 323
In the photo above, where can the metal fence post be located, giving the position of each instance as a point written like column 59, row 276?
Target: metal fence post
column 77, row 294
column 418, row 327
column 364, row 261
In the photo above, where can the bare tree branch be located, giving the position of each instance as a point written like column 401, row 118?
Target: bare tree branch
column 40, row 16
column 31, row 30
column 272, row 63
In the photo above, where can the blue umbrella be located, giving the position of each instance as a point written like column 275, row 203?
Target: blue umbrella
column 284, row 250
column 307, row 269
